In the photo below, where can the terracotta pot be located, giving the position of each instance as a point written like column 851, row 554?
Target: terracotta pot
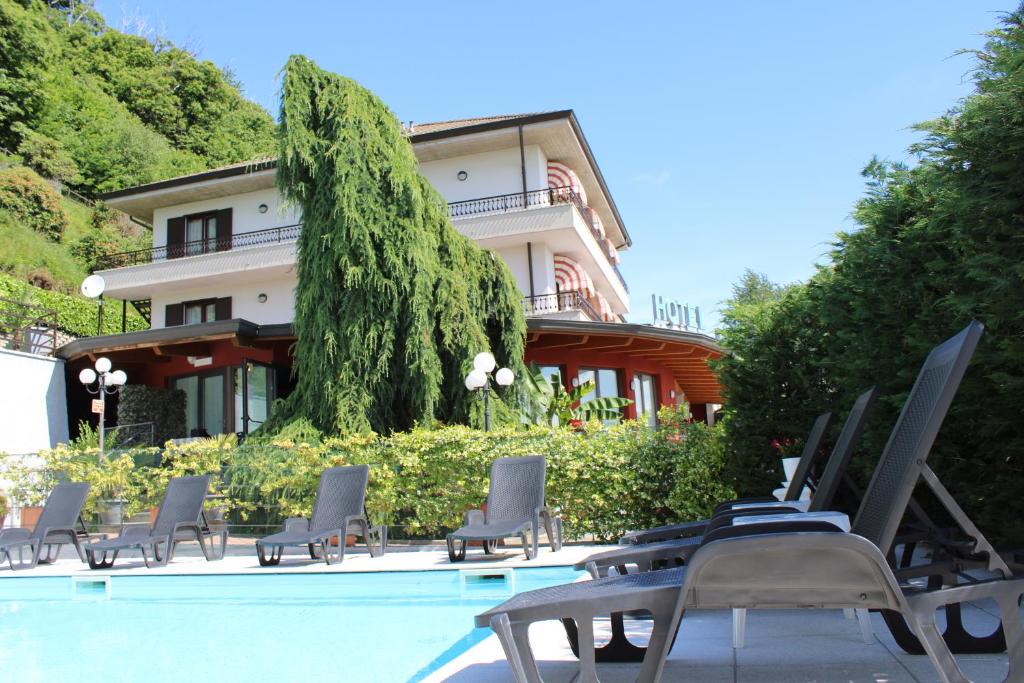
column 350, row 541
column 30, row 515
column 153, row 512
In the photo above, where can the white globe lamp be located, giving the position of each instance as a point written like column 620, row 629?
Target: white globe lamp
column 118, row 378
column 103, row 365
column 87, row 376
column 504, row 377
column 484, row 362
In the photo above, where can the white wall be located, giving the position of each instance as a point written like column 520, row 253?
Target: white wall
column 489, row 174
column 279, row 307
column 33, row 408
column 518, row 261
column 245, row 215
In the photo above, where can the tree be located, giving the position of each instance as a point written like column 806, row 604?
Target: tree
column 391, row 303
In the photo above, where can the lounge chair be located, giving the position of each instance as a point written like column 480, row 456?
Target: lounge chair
column 658, row 555
column 798, row 564
column 515, row 506
column 793, row 493
column 56, row 526
column 337, row 512
column 178, row 520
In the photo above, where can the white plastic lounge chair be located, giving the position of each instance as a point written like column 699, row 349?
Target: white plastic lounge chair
column 178, row 520
column 515, row 506
column 798, row 564
column 337, row 512
column 56, row 526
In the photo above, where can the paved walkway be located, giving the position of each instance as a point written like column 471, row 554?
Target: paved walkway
column 810, row 646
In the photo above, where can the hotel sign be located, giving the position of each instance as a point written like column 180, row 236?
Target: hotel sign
column 672, row 314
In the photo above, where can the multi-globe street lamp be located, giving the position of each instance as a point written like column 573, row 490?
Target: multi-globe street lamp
column 107, row 382
column 479, row 379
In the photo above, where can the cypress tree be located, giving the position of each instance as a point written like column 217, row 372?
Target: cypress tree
column 391, row 303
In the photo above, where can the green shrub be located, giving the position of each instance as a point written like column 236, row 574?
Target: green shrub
column 47, row 156
column 165, row 408
column 74, row 314
column 32, row 201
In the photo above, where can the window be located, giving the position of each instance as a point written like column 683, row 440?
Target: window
column 193, row 312
column 607, row 384
column 253, row 395
column 204, row 403
column 200, row 311
column 200, row 234
column 645, row 390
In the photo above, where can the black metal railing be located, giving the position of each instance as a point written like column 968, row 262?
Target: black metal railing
column 559, row 302
column 287, row 233
column 505, row 203
column 27, row 327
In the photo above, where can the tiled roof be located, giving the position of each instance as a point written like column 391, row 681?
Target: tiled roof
column 436, row 126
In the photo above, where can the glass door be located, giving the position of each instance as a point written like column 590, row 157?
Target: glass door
column 254, row 393
column 205, row 408
column 645, row 389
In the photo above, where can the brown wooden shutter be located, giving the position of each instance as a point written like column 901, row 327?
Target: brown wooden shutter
column 223, row 231
column 174, row 315
column 176, row 237
column 224, row 308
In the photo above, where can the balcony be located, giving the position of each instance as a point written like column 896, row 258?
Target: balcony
column 521, row 201
column 259, row 238
column 566, row 305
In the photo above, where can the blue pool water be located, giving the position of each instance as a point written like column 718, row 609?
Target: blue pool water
column 396, row 626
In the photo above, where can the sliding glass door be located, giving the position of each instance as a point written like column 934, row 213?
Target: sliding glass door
column 254, row 392
column 235, row 399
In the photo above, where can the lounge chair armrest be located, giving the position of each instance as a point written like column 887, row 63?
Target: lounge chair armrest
column 474, row 518
column 642, row 554
column 133, row 531
column 666, row 533
column 14, row 535
column 296, row 524
column 781, row 527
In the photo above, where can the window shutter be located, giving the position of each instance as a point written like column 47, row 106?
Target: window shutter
column 176, row 237
column 223, row 231
column 224, row 308
column 174, row 315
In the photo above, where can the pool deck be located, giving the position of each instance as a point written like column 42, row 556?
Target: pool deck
column 781, row 645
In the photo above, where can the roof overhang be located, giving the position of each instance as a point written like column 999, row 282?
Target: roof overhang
column 685, row 354
column 558, row 132
column 178, row 340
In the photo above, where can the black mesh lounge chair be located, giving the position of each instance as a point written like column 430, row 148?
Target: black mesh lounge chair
column 796, row 486
column 515, row 506
column 56, row 526
column 337, row 512
column 652, row 556
column 798, row 564
column 178, row 520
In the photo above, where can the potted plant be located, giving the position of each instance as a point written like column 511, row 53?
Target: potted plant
column 113, row 482
column 29, row 487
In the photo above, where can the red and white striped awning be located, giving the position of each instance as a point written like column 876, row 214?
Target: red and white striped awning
column 597, row 222
column 560, row 175
column 571, row 277
column 612, row 251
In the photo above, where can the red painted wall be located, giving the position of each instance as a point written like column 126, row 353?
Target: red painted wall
column 224, row 353
column 572, row 359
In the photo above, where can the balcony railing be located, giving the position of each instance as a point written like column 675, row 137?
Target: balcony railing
column 505, row 203
column 27, row 328
column 559, row 302
column 287, row 233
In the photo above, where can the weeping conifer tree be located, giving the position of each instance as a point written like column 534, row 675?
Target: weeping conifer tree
column 391, row 303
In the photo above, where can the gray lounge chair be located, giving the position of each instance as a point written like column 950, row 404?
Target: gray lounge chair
column 178, row 520
column 515, row 506
column 56, row 526
column 337, row 512
column 658, row 555
column 793, row 492
column 798, row 564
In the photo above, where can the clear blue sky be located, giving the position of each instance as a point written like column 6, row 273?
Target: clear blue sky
column 731, row 134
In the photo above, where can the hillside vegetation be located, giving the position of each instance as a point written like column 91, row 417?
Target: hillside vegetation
column 93, row 109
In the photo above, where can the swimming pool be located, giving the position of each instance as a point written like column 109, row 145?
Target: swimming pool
column 390, row 626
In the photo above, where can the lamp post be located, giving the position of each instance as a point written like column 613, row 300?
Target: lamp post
column 479, row 378
column 107, row 382
column 92, row 287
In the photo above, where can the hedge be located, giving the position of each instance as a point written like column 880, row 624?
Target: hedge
column 75, row 315
column 604, row 482
column 165, row 408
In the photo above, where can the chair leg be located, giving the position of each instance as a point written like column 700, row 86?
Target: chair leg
column 269, row 560
column 103, row 562
column 864, row 621
column 78, row 547
column 588, row 664
column 516, row 650
column 1009, row 615
column 454, row 556
column 22, row 563
column 927, row 632
column 739, row 627
column 661, row 642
